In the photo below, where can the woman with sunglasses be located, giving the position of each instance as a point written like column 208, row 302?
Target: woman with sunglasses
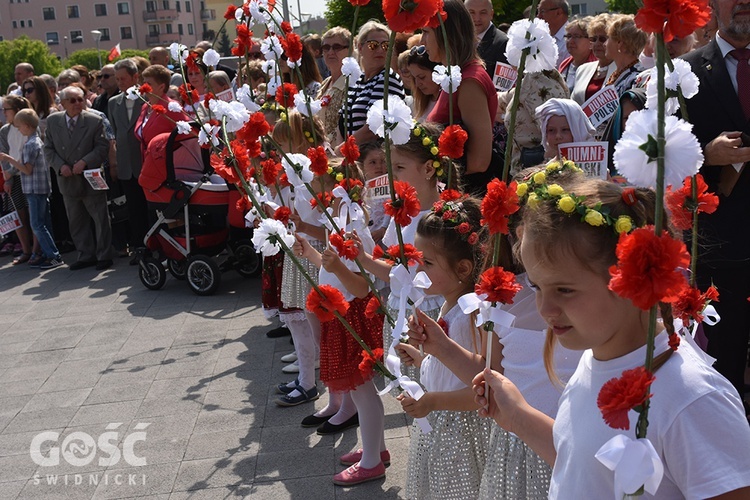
column 36, row 91
column 335, row 47
column 590, row 77
column 579, row 47
column 372, row 43
column 424, row 91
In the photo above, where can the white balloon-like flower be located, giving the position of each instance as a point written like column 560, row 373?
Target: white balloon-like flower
column 298, row 170
column 267, row 235
column 448, row 82
column 682, row 77
column 183, row 127
column 245, row 96
column 301, row 101
column 234, row 112
column 682, row 152
column 350, row 67
column 208, row 133
column 542, row 47
column 211, row 58
column 178, row 52
column 397, row 120
column 174, row 106
column 274, row 82
column 133, row 93
column 271, row 48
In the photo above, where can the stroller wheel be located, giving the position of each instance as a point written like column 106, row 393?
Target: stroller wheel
column 177, row 268
column 247, row 261
column 203, row 275
column 152, row 274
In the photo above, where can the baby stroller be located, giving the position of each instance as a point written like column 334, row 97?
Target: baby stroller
column 196, row 218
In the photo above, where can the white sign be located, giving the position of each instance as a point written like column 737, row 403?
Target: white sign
column 9, row 223
column 504, row 77
column 591, row 157
column 95, row 176
column 377, row 189
column 226, row 96
column 602, row 105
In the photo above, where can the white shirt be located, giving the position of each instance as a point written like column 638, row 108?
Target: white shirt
column 562, row 49
column 433, row 374
column 480, row 36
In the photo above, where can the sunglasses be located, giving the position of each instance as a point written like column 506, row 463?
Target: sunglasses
column 374, row 44
column 335, row 47
column 28, row 90
column 544, row 11
column 574, row 37
column 417, row 50
column 600, row 38
column 103, row 76
column 73, row 100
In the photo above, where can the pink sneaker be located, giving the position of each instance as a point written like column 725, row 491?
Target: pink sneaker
column 353, row 457
column 357, row 475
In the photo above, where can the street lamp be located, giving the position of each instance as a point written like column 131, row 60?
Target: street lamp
column 305, row 17
column 65, row 42
column 97, row 36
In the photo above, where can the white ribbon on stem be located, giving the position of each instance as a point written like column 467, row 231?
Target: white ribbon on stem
column 635, row 463
column 349, row 211
column 487, row 312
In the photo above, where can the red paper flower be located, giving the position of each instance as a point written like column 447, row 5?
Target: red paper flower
column 674, row 18
column 680, row 202
column 158, row 109
column 464, row 228
column 282, row 214
column 674, row 341
column 145, row 88
column 451, row 142
column 409, row 16
column 369, row 361
column 256, row 127
column 451, row 195
column 350, row 150
column 243, row 204
column 392, row 254
column 500, row 202
column 270, row 171
column 620, row 395
column 498, row 284
column 373, row 307
column 285, row 94
column 649, row 267
column 229, row 13
column 690, row 303
column 292, row 45
column 286, row 27
column 324, row 199
column 318, row 160
column 346, row 249
column 405, row 206
column 324, row 306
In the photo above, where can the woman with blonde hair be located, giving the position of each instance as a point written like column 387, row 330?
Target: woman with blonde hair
column 624, row 44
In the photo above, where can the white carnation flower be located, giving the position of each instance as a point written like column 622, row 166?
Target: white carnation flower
column 234, row 112
column 274, row 83
column 301, row 102
column 245, row 96
column 211, row 58
column 542, row 47
column 178, row 52
column 682, row 77
column 397, row 120
column 174, row 106
column 267, row 235
column 350, row 67
column 448, row 82
column 682, row 152
column 271, row 48
column 133, row 93
column 298, row 171
column 208, row 133
column 183, row 127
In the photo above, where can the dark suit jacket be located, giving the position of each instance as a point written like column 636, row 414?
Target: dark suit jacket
column 128, row 146
column 725, row 234
column 492, row 48
column 87, row 143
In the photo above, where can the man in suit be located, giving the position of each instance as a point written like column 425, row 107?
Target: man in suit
column 492, row 41
column 123, row 113
column 75, row 142
column 106, row 80
column 556, row 13
column 720, row 114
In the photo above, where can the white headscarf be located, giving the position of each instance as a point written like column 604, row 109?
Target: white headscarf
column 578, row 122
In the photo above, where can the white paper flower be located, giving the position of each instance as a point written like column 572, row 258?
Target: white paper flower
column 682, row 77
column 350, row 67
column 178, row 52
column 208, row 133
column 542, row 47
column 234, row 111
column 267, row 235
column 174, row 106
column 245, row 96
column 273, row 84
column 682, row 152
column 301, row 103
column 298, row 171
column 449, row 83
column 397, row 120
column 184, row 127
column 271, row 47
column 133, row 93
column 211, row 58
column 274, row 21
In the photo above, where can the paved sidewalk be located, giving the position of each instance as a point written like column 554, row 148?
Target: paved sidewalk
column 83, row 351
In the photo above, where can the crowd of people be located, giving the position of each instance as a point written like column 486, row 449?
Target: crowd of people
column 571, row 333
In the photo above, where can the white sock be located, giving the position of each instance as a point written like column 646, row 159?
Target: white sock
column 304, row 345
column 346, row 411
column 371, row 423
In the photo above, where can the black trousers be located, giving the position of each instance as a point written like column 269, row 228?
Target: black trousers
column 137, row 211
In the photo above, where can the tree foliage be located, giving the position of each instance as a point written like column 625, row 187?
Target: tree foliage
column 87, row 57
column 23, row 49
column 624, row 6
column 341, row 13
column 225, row 44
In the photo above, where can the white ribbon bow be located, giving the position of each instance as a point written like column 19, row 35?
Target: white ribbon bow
column 635, row 463
column 487, row 312
column 348, row 209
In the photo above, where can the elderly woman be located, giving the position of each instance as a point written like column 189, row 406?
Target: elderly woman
column 372, row 44
column 590, row 77
column 475, row 101
column 579, row 46
column 335, row 47
column 624, row 44
column 424, row 91
column 219, row 81
column 150, row 124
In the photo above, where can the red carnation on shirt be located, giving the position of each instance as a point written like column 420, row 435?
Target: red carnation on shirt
column 620, row 395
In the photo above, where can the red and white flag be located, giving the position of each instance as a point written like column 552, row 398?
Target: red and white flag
column 114, row 53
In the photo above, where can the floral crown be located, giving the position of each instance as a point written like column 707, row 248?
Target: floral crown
column 431, row 146
column 452, row 212
column 534, row 190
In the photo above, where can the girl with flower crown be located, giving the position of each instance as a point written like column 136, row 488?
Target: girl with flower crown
column 568, row 243
column 344, row 366
column 448, row 461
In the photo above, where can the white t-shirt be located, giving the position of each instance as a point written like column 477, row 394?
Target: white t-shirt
column 696, row 423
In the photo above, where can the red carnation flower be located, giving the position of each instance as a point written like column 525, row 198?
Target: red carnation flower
column 405, row 206
column 227, row 172
column 434, row 22
column 674, row 341
column 145, row 88
column 253, row 148
column 284, row 181
column 680, row 202
column 285, row 94
column 286, row 27
column 292, row 45
column 347, row 249
column 369, row 362
column 498, row 284
column 392, row 254
column 350, row 150
column 373, row 307
column 649, row 267
column 500, row 202
column 282, row 214
column 674, row 18
column 243, row 204
column 229, row 13
column 620, row 395
column 378, row 253
column 326, row 302
column 324, row 199
column 444, row 325
column 451, row 142
column 690, row 303
column 256, row 127
column 416, row 17
column 318, row 160
column 270, row 171
column 158, row 109
column 450, row 195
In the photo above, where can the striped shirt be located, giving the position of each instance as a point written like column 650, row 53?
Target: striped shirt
column 362, row 96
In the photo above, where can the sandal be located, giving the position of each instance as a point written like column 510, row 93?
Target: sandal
column 21, row 259
column 36, row 260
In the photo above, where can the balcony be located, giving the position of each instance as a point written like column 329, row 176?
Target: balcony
column 162, row 39
column 160, row 15
column 208, row 14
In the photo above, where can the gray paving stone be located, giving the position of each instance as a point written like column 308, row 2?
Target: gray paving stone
column 106, row 412
column 61, row 399
column 221, row 420
column 40, row 420
column 169, row 405
column 286, row 464
column 68, row 487
column 221, row 493
column 11, row 489
column 309, row 488
column 16, row 468
column 214, row 472
column 147, row 480
column 186, row 386
column 222, row 444
column 19, row 443
column 114, row 393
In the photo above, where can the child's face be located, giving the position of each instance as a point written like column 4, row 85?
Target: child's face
column 445, row 281
column 374, row 164
column 557, row 132
column 579, row 308
column 409, row 169
column 26, row 130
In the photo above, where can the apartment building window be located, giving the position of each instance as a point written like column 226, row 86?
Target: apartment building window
column 153, row 30
column 180, row 30
column 165, row 4
column 100, row 9
column 15, row 25
column 73, row 12
column 126, row 32
column 190, row 28
column 31, row 23
column 150, row 6
column 123, row 8
column 48, row 13
column 169, row 28
column 579, row 9
column 187, row 6
column 52, row 38
column 23, row 23
column 105, row 34
column 177, row 6
column 76, row 36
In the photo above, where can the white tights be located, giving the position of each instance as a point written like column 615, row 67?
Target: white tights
column 306, row 337
column 371, row 423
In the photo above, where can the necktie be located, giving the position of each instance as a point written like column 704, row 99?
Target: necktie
column 71, row 125
column 743, row 78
